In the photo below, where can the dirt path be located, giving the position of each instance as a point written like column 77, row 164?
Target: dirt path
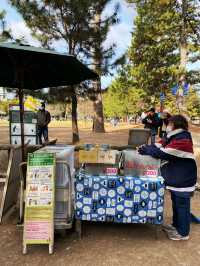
column 103, row 244
column 106, row 244
column 64, row 135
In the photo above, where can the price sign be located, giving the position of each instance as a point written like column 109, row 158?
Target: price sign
column 39, row 204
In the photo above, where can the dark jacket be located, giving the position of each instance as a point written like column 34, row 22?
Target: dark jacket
column 43, row 118
column 178, row 164
column 156, row 123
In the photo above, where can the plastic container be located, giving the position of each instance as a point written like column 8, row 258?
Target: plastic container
column 138, row 136
column 139, row 165
column 61, row 210
column 63, row 153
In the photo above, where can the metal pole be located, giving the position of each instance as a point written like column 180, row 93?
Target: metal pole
column 21, row 104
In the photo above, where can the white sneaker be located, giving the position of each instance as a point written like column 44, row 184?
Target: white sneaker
column 174, row 235
column 168, row 228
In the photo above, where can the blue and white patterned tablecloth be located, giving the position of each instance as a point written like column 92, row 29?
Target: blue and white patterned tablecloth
column 121, row 199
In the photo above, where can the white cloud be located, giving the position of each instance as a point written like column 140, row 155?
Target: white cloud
column 127, row 8
column 19, row 30
column 120, row 35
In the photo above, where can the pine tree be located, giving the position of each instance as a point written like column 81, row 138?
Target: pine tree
column 164, row 41
column 102, row 58
column 122, row 97
column 63, row 20
column 189, row 31
column 152, row 50
column 81, row 25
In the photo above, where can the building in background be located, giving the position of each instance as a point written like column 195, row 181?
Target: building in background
column 3, row 93
column 6, row 95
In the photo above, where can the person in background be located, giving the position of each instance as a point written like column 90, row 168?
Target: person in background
column 152, row 122
column 179, row 170
column 165, row 116
column 43, row 118
column 143, row 115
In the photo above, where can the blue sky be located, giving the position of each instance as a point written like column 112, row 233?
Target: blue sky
column 119, row 34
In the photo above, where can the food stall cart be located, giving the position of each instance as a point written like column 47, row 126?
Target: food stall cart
column 132, row 192
column 110, row 186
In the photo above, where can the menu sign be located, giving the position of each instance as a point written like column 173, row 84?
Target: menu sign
column 39, row 204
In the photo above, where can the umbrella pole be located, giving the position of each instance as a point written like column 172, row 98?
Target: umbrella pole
column 21, row 104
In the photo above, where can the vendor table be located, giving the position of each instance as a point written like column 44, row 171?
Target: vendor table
column 120, row 199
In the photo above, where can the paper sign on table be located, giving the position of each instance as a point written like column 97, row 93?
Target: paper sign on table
column 88, row 156
column 98, row 156
column 108, row 157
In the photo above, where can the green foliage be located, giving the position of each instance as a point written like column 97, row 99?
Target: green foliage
column 161, row 29
column 122, row 98
column 152, row 52
column 4, row 105
column 71, row 21
column 193, row 103
column 52, row 21
column 102, row 57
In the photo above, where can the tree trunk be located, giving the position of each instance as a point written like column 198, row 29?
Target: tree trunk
column 183, row 58
column 98, row 122
column 183, row 37
column 161, row 106
column 75, row 133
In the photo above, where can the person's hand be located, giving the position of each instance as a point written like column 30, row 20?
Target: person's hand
column 149, row 121
column 139, row 147
column 142, row 149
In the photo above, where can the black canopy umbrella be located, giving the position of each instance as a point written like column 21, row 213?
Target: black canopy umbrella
column 31, row 68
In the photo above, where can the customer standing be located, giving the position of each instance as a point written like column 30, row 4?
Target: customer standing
column 165, row 116
column 153, row 122
column 179, row 170
column 43, row 118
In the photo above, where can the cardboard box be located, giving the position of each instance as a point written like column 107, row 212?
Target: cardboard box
column 107, row 157
column 90, row 156
column 98, row 156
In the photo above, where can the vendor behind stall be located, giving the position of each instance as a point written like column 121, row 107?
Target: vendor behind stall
column 43, row 118
column 179, row 171
column 152, row 122
column 165, row 116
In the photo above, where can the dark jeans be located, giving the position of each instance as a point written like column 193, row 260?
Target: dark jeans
column 43, row 131
column 181, row 212
column 153, row 139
